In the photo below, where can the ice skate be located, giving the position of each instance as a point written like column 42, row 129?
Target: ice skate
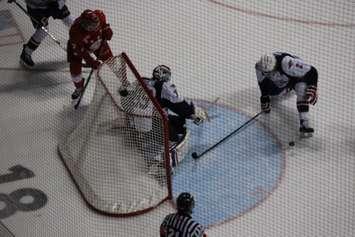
column 26, row 58
column 77, row 93
column 305, row 129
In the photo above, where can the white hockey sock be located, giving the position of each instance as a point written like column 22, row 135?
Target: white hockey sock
column 303, row 116
column 76, row 78
column 39, row 36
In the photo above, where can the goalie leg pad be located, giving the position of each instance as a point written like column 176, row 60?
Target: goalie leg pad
column 176, row 127
column 179, row 150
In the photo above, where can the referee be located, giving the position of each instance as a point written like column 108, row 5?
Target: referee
column 181, row 224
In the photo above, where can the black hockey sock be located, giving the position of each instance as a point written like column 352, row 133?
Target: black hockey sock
column 32, row 44
column 302, row 106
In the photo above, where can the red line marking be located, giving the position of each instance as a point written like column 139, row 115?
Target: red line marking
column 287, row 19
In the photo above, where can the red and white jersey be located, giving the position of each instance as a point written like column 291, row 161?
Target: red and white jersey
column 83, row 42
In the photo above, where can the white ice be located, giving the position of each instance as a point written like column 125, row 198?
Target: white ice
column 211, row 49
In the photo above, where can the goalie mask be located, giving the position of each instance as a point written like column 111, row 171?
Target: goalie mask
column 185, row 203
column 267, row 62
column 162, row 73
column 89, row 20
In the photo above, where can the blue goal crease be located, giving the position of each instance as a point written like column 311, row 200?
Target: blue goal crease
column 233, row 177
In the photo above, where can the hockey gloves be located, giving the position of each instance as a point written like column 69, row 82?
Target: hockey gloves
column 107, row 32
column 265, row 103
column 94, row 64
column 311, row 95
column 199, row 116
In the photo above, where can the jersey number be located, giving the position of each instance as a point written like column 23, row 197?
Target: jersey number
column 173, row 233
column 24, row 199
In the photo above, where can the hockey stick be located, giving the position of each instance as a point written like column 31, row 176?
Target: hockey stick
column 196, row 156
column 42, row 27
column 86, row 84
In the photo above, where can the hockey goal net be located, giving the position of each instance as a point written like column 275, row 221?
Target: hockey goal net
column 112, row 151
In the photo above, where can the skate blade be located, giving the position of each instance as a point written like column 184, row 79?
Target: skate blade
column 305, row 135
column 25, row 65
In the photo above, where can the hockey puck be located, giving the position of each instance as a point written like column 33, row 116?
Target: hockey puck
column 291, row 143
column 194, row 155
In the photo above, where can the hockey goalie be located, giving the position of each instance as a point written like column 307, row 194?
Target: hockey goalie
column 175, row 106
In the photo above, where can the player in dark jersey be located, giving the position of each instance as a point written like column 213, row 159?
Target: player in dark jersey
column 181, row 224
column 40, row 11
column 177, row 109
column 280, row 72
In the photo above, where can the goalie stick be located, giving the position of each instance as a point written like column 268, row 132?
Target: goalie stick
column 42, row 27
column 196, row 156
column 86, row 84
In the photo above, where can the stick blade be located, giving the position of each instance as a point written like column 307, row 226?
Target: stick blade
column 195, row 155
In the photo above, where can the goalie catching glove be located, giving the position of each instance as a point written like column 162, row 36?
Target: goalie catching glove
column 199, row 116
column 265, row 104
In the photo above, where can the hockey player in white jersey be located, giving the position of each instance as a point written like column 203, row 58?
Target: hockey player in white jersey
column 39, row 12
column 281, row 72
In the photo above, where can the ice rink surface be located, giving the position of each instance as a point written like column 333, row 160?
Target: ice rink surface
column 212, row 47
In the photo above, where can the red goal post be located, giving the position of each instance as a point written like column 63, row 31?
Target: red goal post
column 109, row 154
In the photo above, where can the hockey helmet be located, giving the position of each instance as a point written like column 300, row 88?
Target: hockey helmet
column 89, row 20
column 185, row 203
column 267, row 62
column 162, row 73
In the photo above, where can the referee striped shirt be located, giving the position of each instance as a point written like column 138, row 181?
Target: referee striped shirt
column 180, row 225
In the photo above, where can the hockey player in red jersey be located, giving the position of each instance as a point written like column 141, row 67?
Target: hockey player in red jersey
column 89, row 34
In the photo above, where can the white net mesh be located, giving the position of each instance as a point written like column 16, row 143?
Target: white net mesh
column 120, row 140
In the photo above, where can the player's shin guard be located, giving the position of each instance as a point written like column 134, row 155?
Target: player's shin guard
column 303, row 109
